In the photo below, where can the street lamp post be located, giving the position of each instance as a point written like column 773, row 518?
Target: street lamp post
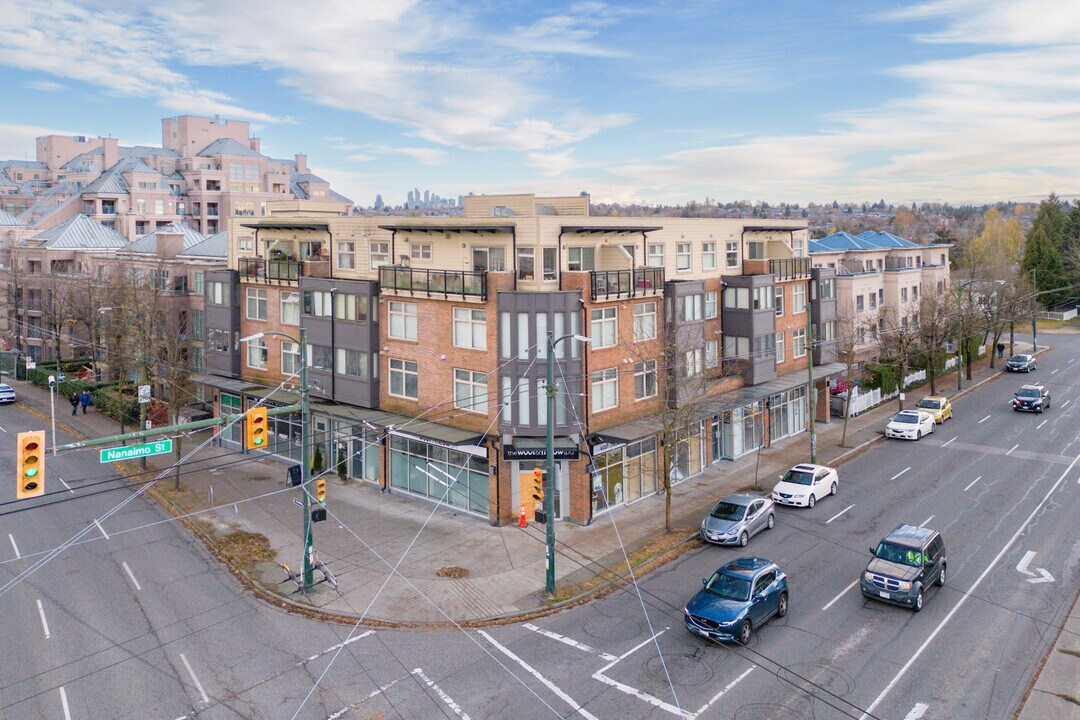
column 305, row 440
column 549, row 463
column 52, row 409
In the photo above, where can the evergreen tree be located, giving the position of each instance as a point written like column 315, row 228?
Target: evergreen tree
column 1043, row 259
column 1072, row 229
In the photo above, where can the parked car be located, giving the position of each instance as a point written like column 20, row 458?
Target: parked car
column 803, row 485
column 938, row 406
column 739, row 598
column 737, row 518
column 7, row 394
column 1031, row 398
column 1021, row 363
column 910, row 425
column 906, row 562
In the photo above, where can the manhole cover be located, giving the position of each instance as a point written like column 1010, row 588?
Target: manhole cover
column 685, row 670
column 452, row 572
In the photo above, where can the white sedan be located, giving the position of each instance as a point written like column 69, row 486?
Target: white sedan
column 7, row 394
column 803, row 485
column 910, row 425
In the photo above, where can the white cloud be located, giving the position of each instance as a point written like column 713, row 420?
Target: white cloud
column 554, row 164
column 16, row 141
column 571, row 33
column 44, row 85
column 423, row 155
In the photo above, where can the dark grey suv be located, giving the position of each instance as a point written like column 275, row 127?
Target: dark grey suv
column 906, row 562
column 1031, row 398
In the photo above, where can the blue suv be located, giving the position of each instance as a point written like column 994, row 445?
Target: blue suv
column 739, row 598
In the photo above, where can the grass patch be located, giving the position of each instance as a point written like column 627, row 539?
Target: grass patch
column 1048, row 324
column 244, row 549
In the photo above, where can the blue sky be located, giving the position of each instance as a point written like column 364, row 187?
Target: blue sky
column 658, row 102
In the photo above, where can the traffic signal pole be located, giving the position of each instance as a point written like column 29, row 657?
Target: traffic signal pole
column 305, row 462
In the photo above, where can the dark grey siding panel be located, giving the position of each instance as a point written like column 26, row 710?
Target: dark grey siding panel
column 347, row 335
column 750, row 323
column 823, row 311
column 223, row 319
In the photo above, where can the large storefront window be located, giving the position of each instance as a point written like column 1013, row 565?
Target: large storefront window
column 788, row 414
column 285, row 435
column 689, row 452
column 739, row 431
column 624, row 475
column 456, row 478
column 231, row 404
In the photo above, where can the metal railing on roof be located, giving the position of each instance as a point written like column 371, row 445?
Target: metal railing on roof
column 626, row 283
column 433, row 282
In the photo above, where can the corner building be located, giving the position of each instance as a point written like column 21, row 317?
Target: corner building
column 427, row 344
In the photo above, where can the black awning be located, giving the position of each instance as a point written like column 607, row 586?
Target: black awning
column 449, row 228
column 287, row 225
column 597, row 229
column 525, row 448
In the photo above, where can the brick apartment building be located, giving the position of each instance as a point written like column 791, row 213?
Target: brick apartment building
column 426, row 343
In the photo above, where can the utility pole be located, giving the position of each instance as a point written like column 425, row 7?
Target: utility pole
column 813, row 390
column 1034, row 304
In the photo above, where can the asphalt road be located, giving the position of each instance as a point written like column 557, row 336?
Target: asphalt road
column 145, row 624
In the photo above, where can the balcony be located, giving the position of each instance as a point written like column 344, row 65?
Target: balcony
column 853, row 267
column 898, row 265
column 263, row 270
column 790, row 268
column 433, row 282
column 639, row 282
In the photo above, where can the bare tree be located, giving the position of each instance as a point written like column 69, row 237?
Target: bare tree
column 57, row 311
column 898, row 342
column 935, row 324
column 849, row 333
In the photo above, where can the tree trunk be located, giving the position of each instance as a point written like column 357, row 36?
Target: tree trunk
column 933, row 375
column 668, row 457
column 176, row 476
column 900, row 385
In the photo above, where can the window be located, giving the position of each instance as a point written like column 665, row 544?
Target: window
column 579, row 259
column 379, row 253
column 159, row 207
column 526, row 263
column 320, row 358
column 353, row 363
column 827, row 288
column 604, row 328
column 256, row 303
column 644, row 321
column 195, row 324
column 682, row 256
column 873, row 301
column 656, row 255
column 779, row 347
column 644, row 379
column 470, row 328
column 779, row 300
column 914, row 293
column 257, row 354
column 403, row 379
column 489, row 259
column 290, row 308
column 711, row 354
column 881, row 296
column 708, row 256
column 350, row 306
column 159, row 279
column 859, row 303
column 827, row 331
column 732, row 254
column 798, row 338
column 290, row 358
column 763, row 298
column 691, row 363
column 198, row 280
column 470, row 391
column 140, row 208
column 550, row 261
column 764, row 345
column 737, row 298
column 318, row 303
column 420, row 251
column 710, row 304
column 798, row 298
column 903, row 295
column 755, row 250
column 605, row 389
column 402, row 320
column 346, row 255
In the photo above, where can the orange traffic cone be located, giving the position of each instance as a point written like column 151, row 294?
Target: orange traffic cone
column 523, row 522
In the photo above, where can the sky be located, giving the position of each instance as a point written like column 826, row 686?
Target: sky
column 960, row 101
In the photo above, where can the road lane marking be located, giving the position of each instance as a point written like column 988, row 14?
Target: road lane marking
column 1053, row 371
column 101, row 529
column 839, row 514
column 1022, row 566
column 3, row 428
column 356, row 704
column 946, row 444
column 198, row 684
column 853, row 584
column 927, row 521
column 12, row 539
column 985, row 419
column 131, row 575
column 1064, row 404
column 721, row 694
column 1013, row 448
column 1042, row 423
column 334, row 648
column 970, row 592
column 63, row 701
column 44, row 622
column 917, row 712
column 640, row 694
column 569, row 641
column 536, row 674
column 972, row 483
column 442, row 695
column 65, row 484
column 900, row 473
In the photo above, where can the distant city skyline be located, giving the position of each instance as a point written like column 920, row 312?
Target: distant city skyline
column 656, row 103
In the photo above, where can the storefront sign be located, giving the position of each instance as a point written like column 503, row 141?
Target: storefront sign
column 561, row 453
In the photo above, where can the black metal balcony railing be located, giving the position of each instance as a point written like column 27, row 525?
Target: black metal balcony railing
column 790, row 268
column 628, row 283
column 433, row 282
column 263, row 270
column 898, row 264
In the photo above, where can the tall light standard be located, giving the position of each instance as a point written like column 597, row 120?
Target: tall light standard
column 143, row 372
column 52, row 409
column 1034, row 305
column 549, row 463
column 305, row 439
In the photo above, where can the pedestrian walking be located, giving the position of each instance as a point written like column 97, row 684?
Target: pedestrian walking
column 1001, row 349
column 84, row 400
column 74, row 403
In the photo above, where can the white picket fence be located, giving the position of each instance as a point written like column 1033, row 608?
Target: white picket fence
column 982, row 351
column 914, row 377
column 950, row 363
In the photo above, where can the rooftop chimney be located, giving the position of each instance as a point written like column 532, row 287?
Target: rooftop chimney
column 111, row 152
column 301, row 163
column 255, row 144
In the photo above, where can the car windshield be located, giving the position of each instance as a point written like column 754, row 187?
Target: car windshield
column 898, row 554
column 798, row 477
column 1018, row 358
column 728, row 511
column 1028, row 392
column 907, row 418
column 930, row 404
column 729, row 587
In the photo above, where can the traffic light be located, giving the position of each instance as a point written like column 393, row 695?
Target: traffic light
column 256, row 428
column 538, row 485
column 320, row 490
column 30, row 465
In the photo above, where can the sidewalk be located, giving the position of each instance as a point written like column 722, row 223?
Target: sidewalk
column 453, row 567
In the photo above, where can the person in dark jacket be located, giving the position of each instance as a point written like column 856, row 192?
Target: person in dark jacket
column 74, row 403
column 84, row 400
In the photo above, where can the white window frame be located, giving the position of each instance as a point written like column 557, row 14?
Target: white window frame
column 708, row 255
column 710, row 305
column 290, row 358
column 604, row 327
column 655, row 257
column 712, row 353
column 346, row 255
column 798, row 343
column 644, row 321
column 683, row 253
column 403, row 313
column 469, row 328
column 257, row 345
column 402, row 371
column 779, row 303
column 475, row 384
column 378, row 253
column 692, row 363
column 290, row 300
column 731, row 254
column 798, row 298
column 580, row 259
column 259, row 297
column 604, row 386
column 644, row 372
column 420, row 251
column 779, row 347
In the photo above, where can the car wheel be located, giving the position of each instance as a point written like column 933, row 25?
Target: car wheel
column 781, row 605
column 832, row 489
column 918, row 434
column 811, row 501
column 772, row 520
column 918, row 601
column 941, row 577
column 746, row 631
column 1039, row 410
column 743, row 539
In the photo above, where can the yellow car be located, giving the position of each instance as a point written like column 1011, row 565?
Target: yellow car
column 937, row 406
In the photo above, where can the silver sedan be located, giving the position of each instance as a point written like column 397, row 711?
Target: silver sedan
column 737, row 518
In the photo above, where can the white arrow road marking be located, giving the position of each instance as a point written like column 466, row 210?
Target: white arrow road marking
column 536, row 674
column 44, row 622
column 442, row 695
column 917, row 712
column 1022, row 566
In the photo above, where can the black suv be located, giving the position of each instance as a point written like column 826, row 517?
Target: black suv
column 906, row 562
column 1032, row 398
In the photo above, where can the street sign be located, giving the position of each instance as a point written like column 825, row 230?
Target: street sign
column 298, row 501
column 144, row 394
column 158, row 447
column 30, row 364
